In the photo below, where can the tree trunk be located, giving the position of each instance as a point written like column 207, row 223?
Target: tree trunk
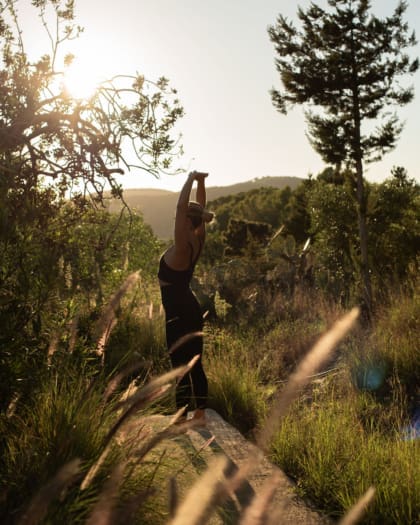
column 363, row 239
column 360, row 192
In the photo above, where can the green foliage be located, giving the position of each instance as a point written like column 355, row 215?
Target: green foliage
column 61, row 258
column 102, row 248
column 395, row 228
column 346, row 61
column 235, row 389
column 63, row 268
column 264, row 205
column 60, row 251
column 138, row 336
column 339, row 414
column 245, row 236
column 333, row 227
column 388, row 361
column 298, row 220
column 285, row 344
column 46, row 135
column 245, row 260
column 62, row 420
column 344, row 66
column 334, row 460
column 249, row 264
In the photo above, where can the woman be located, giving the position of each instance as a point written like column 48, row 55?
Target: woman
column 182, row 310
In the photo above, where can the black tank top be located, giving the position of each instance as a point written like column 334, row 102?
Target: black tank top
column 177, row 277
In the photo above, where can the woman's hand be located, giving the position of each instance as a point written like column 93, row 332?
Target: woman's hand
column 198, row 175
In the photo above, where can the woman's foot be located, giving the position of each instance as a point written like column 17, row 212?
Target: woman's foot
column 199, row 416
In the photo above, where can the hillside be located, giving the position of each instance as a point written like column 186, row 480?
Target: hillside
column 158, row 206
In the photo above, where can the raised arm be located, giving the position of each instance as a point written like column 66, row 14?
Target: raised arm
column 184, row 195
column 201, row 189
column 181, row 232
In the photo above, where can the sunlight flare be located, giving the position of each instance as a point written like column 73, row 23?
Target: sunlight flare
column 81, row 79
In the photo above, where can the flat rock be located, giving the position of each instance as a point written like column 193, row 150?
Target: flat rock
column 229, row 441
column 195, row 448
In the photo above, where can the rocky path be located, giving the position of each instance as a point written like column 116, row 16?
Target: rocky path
column 229, row 441
column 197, row 447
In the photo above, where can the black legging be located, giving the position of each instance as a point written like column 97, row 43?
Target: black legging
column 183, row 316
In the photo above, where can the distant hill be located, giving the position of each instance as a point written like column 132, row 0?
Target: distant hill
column 158, row 206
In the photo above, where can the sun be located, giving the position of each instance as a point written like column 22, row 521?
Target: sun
column 81, row 79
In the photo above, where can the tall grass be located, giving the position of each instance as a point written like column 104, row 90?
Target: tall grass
column 64, row 420
column 236, row 391
column 60, row 442
column 137, row 337
column 395, row 340
column 216, row 483
column 335, row 459
column 72, row 455
column 346, row 432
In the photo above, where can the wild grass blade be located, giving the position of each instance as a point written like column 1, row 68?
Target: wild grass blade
column 154, row 384
column 11, row 409
column 107, row 321
column 102, row 513
column 144, row 396
column 166, row 433
column 205, row 445
column 74, row 323
column 91, row 473
column 38, row 507
column 52, row 347
column 257, row 513
column 104, row 337
column 176, row 417
column 310, row 365
column 117, row 426
column 200, row 501
column 184, row 339
column 116, row 380
column 355, row 514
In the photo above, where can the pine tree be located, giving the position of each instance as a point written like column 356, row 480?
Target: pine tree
column 343, row 65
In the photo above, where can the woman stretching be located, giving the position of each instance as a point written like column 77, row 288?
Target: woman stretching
column 182, row 309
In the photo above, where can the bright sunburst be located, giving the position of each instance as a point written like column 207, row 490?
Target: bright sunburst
column 80, row 79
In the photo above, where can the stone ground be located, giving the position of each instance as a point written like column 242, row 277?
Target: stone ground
column 193, row 452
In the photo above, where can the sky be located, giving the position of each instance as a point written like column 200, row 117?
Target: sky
column 219, row 58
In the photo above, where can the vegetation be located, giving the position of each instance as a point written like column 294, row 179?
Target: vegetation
column 346, row 63
column 353, row 427
column 84, row 380
column 60, row 250
column 157, row 206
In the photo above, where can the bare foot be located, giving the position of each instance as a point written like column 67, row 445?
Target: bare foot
column 199, row 416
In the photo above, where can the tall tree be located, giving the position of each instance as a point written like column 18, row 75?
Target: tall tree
column 343, row 66
column 47, row 135
column 54, row 146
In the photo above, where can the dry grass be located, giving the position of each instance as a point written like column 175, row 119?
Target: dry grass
column 101, row 484
column 309, row 366
column 214, row 486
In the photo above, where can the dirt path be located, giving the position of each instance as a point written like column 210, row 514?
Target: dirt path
column 190, row 449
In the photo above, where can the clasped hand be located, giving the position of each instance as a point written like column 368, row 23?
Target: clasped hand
column 197, row 175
